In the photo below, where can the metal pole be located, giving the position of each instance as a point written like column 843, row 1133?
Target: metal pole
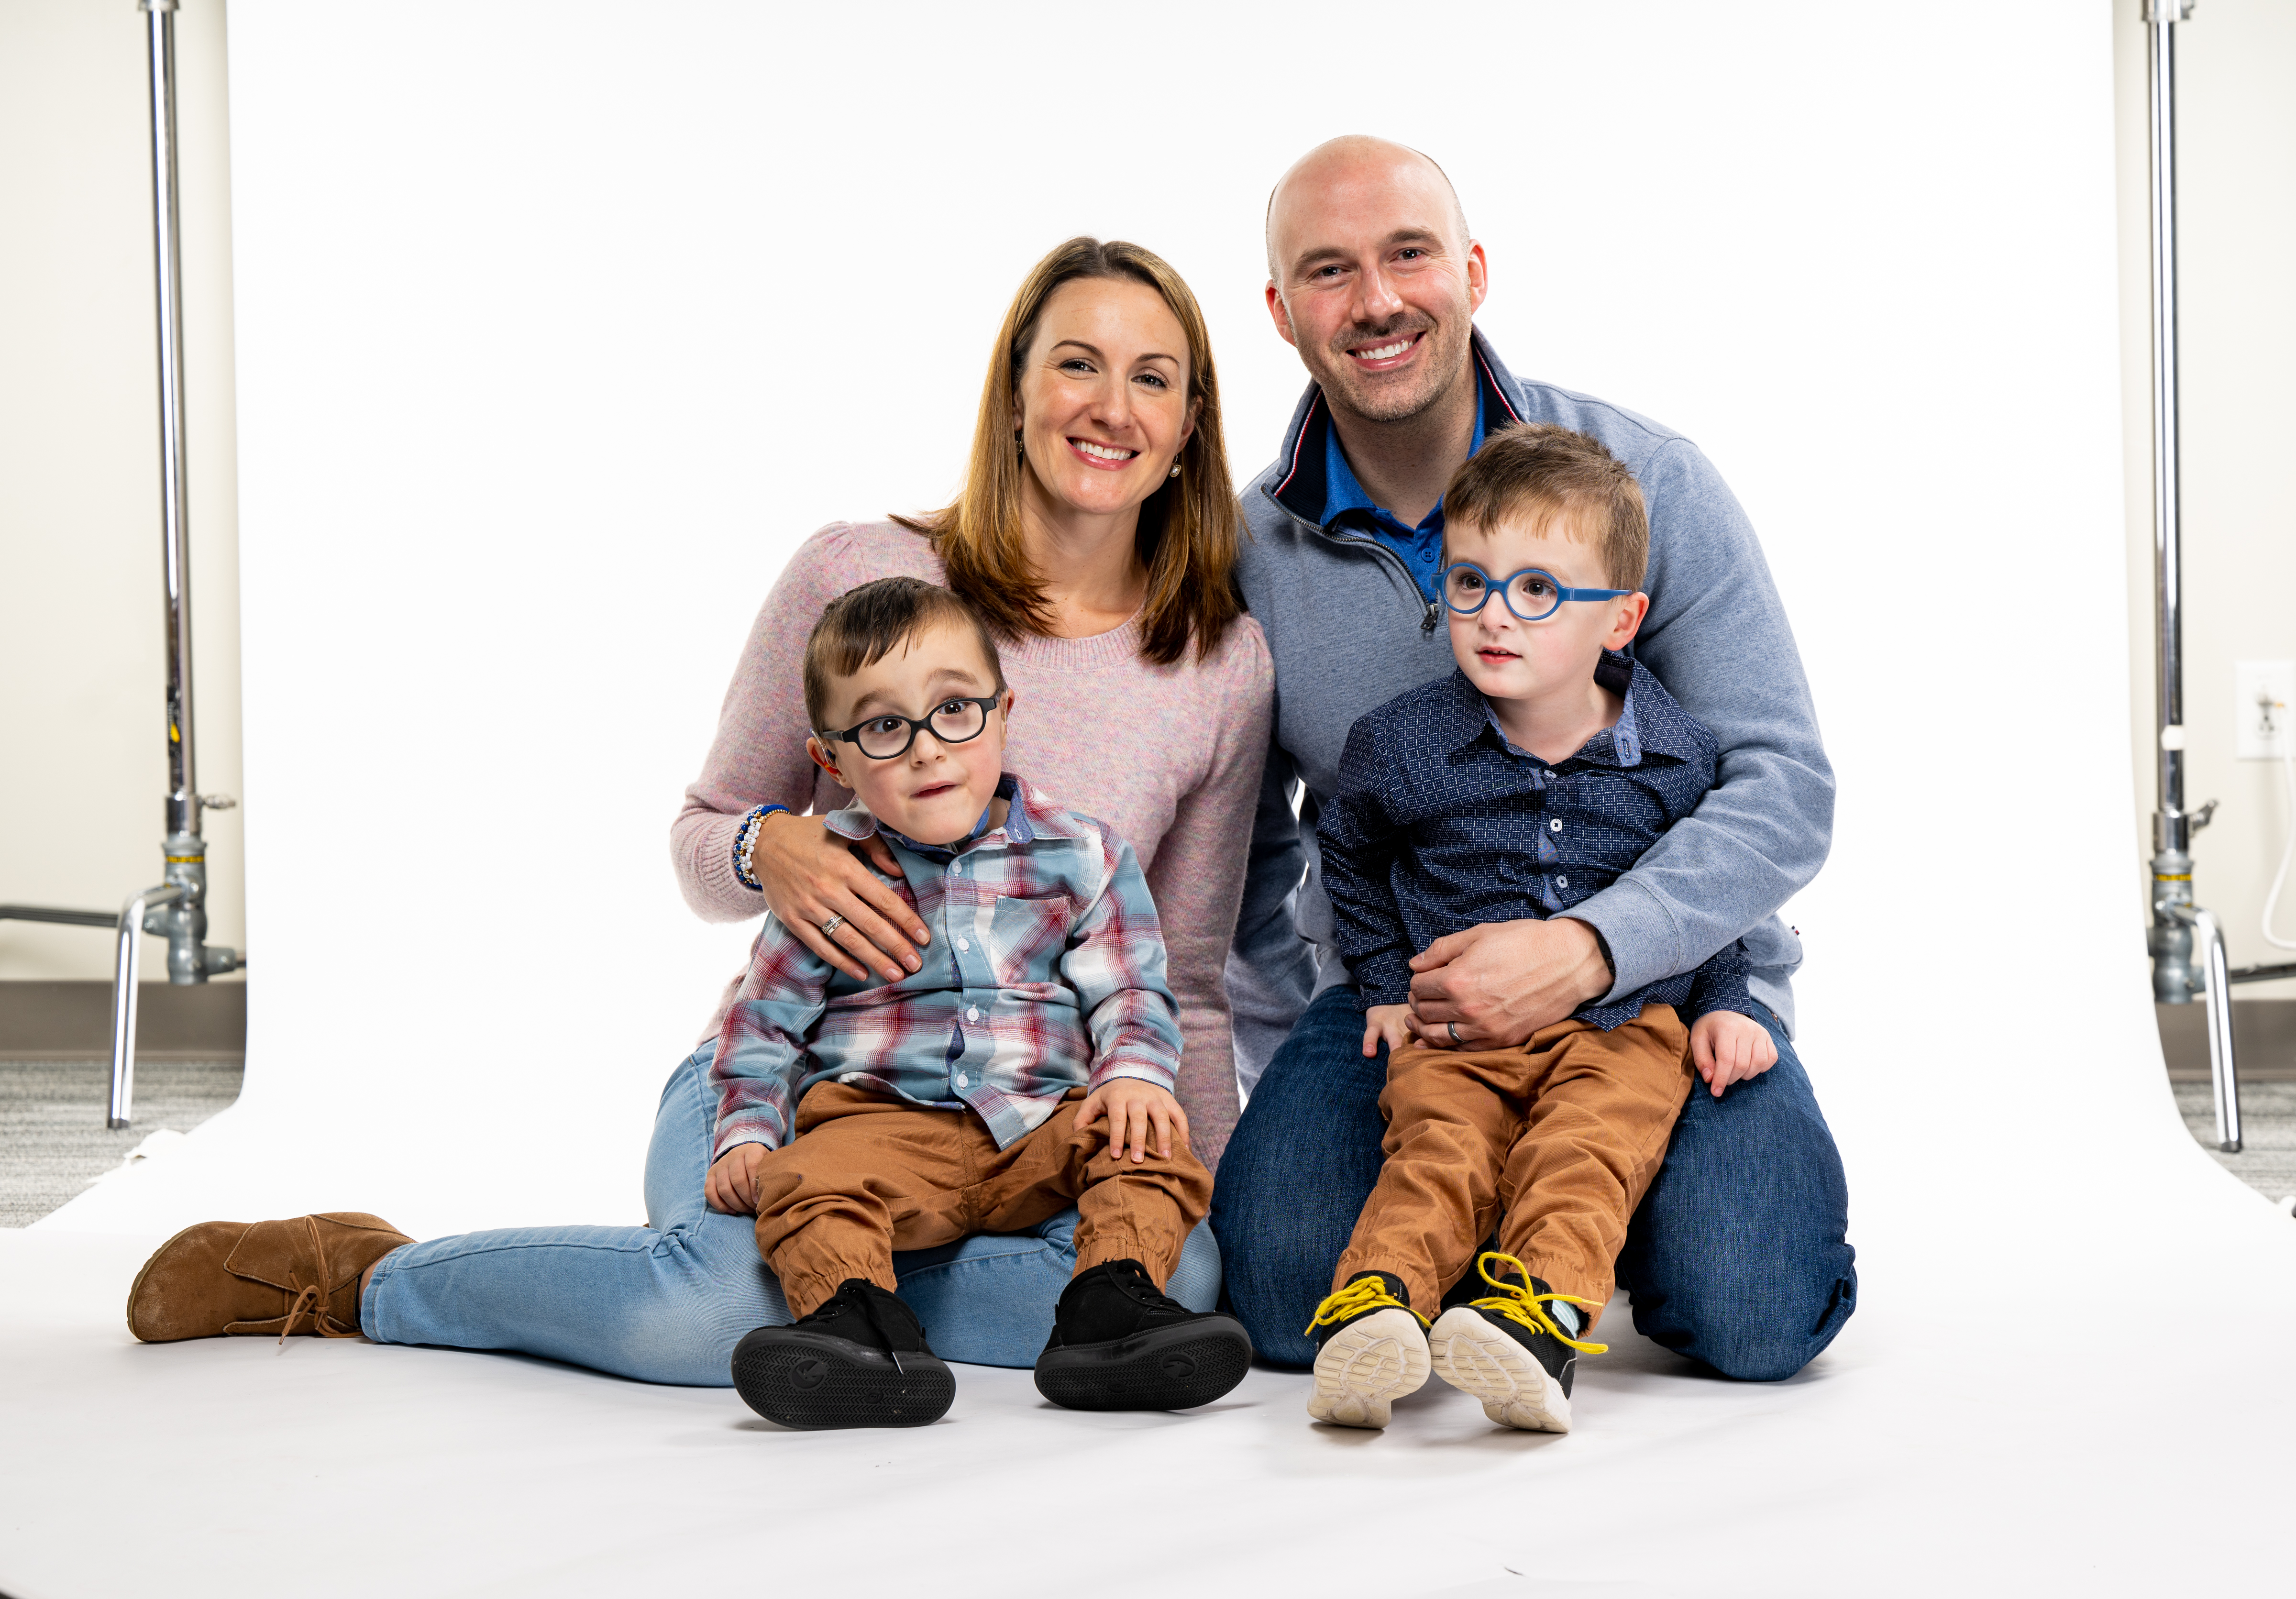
column 180, row 916
column 182, row 791
column 2174, row 980
column 124, row 993
column 2174, row 917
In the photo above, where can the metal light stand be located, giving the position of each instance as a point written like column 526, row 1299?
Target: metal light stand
column 2176, row 920
column 175, row 909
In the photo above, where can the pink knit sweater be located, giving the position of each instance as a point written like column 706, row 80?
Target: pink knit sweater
column 1171, row 756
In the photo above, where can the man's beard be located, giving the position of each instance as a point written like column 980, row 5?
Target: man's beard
column 1442, row 354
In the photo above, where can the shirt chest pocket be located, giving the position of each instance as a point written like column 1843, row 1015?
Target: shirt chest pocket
column 1026, row 937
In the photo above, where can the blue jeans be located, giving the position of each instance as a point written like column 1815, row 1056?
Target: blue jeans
column 1736, row 1259
column 667, row 1301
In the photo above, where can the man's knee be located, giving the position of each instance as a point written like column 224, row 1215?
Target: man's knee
column 1757, row 1316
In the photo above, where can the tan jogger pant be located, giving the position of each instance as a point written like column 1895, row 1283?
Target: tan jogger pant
column 1553, row 1143
column 867, row 1175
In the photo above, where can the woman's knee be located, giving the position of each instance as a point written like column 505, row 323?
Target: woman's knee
column 1195, row 1281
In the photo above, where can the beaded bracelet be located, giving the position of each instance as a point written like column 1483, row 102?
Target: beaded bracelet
column 745, row 846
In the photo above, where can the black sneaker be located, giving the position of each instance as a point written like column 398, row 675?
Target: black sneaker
column 1508, row 1352
column 859, row 1361
column 1371, row 1349
column 1118, row 1343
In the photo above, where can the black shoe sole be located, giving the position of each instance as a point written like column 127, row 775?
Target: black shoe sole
column 1168, row 1368
column 812, row 1381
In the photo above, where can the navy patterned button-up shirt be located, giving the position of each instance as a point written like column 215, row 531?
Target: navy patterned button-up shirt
column 1439, row 823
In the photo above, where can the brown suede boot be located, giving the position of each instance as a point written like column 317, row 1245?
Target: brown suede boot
column 297, row 1275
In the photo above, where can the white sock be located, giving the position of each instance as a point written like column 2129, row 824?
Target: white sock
column 1565, row 1314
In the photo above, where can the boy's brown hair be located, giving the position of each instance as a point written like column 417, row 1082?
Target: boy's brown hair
column 863, row 625
column 1537, row 472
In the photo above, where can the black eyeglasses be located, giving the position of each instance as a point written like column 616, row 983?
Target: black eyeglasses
column 886, row 737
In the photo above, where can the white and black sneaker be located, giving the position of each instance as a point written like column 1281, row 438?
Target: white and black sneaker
column 1371, row 1349
column 861, row 1360
column 1507, row 1349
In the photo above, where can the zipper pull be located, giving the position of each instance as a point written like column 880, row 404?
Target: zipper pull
column 1427, row 622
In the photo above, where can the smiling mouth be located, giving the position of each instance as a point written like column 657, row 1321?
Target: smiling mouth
column 1490, row 654
column 1102, row 455
column 935, row 791
column 1394, row 349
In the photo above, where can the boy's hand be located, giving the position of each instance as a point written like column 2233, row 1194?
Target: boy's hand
column 1388, row 1024
column 732, row 1184
column 1132, row 1108
column 1728, row 1047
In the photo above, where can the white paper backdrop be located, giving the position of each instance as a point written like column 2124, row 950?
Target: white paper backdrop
column 559, row 327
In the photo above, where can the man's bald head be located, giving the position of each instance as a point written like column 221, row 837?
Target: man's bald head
column 1340, row 170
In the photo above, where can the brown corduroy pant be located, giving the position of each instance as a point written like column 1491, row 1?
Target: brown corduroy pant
column 1553, row 1141
column 867, row 1175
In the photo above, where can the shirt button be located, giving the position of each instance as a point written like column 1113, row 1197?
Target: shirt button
column 973, row 1013
column 1561, row 882
column 1554, row 824
column 964, row 1081
column 960, row 944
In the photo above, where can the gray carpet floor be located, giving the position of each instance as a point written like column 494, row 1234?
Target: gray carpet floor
column 53, row 1143
column 2266, row 1161
column 53, row 1140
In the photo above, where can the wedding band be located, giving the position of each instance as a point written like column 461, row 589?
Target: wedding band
column 829, row 931
column 1456, row 1041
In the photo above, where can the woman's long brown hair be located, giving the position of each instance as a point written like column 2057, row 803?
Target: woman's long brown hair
column 1188, row 528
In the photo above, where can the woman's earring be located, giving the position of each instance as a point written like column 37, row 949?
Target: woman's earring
column 1175, row 469
column 1019, row 447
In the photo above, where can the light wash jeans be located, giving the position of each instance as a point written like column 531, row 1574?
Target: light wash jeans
column 667, row 1301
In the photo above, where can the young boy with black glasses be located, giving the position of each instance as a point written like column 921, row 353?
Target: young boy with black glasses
column 1535, row 775
column 1029, row 1070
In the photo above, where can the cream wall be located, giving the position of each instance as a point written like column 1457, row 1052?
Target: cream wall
column 80, row 651
column 2237, row 245
column 82, row 766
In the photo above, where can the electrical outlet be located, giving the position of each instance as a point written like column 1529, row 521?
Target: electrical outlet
column 2264, row 708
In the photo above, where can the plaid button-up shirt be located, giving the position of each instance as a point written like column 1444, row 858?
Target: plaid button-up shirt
column 1439, row 823
column 1045, row 972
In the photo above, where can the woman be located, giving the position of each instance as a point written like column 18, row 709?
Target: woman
column 1096, row 530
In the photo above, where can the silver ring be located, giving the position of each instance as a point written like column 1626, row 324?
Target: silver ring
column 1456, row 1041
column 829, row 931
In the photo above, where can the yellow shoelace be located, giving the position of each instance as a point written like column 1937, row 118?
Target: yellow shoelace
column 1516, row 1302
column 1365, row 1294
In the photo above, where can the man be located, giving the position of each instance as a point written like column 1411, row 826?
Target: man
column 1737, row 1257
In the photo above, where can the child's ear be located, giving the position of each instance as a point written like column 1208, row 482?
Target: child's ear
column 1628, row 621
column 825, row 761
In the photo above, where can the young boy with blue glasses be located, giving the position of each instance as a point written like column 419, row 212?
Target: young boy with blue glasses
column 1534, row 776
column 1026, row 1068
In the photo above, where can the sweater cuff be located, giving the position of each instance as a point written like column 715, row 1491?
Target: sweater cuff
column 716, row 865
column 1638, row 932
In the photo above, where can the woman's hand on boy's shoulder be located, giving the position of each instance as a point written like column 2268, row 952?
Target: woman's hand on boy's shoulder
column 732, row 1184
column 812, row 877
column 1729, row 1047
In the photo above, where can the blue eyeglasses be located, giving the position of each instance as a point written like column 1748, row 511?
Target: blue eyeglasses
column 1532, row 595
